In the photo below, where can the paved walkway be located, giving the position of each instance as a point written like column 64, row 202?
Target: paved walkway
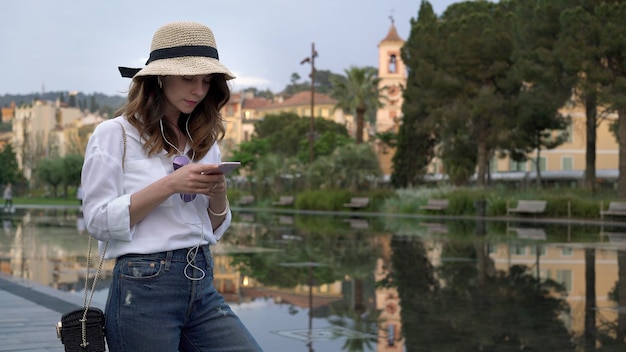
column 29, row 312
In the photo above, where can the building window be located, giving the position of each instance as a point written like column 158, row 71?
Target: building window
column 566, row 251
column 542, row 164
column 567, row 163
column 493, row 165
column 517, row 249
column 564, row 277
column 517, row 165
column 538, row 248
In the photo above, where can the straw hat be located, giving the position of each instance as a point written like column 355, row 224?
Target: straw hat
column 181, row 49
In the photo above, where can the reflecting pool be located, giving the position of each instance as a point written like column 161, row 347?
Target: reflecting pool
column 338, row 282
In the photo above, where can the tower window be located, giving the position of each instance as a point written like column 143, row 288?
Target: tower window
column 392, row 63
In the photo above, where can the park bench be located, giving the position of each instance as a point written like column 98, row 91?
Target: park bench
column 615, row 209
column 528, row 207
column 245, row 200
column 284, row 200
column 615, row 237
column 246, row 217
column 285, row 219
column 357, row 203
column 529, row 233
column 357, row 223
column 435, row 228
column 436, row 204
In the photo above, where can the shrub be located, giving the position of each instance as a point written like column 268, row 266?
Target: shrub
column 322, row 199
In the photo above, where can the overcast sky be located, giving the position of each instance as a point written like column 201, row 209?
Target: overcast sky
column 67, row 45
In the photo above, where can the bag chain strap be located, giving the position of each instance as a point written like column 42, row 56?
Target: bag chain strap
column 87, row 303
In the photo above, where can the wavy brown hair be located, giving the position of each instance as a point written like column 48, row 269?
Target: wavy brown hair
column 145, row 108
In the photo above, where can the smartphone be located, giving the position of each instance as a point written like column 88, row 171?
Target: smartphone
column 224, row 168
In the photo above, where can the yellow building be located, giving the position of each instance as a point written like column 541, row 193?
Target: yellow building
column 231, row 113
column 250, row 114
column 300, row 104
column 8, row 112
column 569, row 158
column 47, row 129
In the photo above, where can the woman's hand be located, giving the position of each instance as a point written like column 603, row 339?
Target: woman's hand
column 189, row 179
column 198, row 179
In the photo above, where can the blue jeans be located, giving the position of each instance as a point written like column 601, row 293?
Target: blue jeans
column 154, row 307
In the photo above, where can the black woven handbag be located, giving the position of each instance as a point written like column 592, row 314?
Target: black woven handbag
column 71, row 330
column 82, row 330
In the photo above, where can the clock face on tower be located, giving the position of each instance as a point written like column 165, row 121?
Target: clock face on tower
column 393, row 90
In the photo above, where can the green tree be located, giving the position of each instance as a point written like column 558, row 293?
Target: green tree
column 6, row 126
column 416, row 138
column 579, row 49
column 276, row 174
column 295, row 77
column 51, row 172
column 295, row 86
column 352, row 166
column 72, row 166
column 324, row 81
column 93, row 103
column 357, row 94
column 267, row 94
column 476, row 86
column 547, row 85
column 286, row 133
column 459, row 158
column 462, row 82
column 72, row 100
column 613, row 42
column 324, row 145
column 8, row 159
column 249, row 152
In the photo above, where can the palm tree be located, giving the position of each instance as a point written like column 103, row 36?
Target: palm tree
column 350, row 167
column 357, row 92
column 271, row 172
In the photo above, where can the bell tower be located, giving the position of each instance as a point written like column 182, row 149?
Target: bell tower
column 393, row 75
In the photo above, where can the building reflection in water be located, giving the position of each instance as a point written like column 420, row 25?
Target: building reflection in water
column 370, row 283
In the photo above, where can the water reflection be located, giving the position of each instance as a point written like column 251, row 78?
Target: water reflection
column 325, row 283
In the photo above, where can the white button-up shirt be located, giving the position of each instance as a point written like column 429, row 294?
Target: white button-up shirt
column 107, row 186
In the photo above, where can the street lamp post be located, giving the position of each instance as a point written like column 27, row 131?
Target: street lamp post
column 312, row 127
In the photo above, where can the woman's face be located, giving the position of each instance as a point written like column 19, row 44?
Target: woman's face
column 184, row 93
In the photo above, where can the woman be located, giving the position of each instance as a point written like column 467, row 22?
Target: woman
column 8, row 197
column 152, row 198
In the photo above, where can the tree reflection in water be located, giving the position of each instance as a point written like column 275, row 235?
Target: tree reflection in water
column 388, row 284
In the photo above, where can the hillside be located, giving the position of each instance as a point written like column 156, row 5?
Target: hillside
column 103, row 102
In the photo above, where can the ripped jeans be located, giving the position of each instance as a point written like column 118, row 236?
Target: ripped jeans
column 154, row 306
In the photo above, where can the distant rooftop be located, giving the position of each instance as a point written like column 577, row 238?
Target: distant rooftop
column 255, row 103
column 303, row 98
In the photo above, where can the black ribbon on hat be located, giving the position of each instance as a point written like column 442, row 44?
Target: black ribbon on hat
column 169, row 53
